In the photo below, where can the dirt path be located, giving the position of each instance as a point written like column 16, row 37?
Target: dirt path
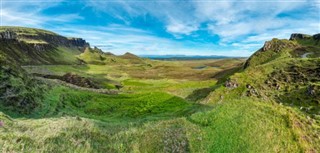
column 305, row 55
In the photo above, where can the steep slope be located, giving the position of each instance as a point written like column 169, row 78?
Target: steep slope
column 272, row 105
column 292, row 73
column 93, row 56
column 19, row 92
column 298, row 46
column 280, row 74
column 29, row 46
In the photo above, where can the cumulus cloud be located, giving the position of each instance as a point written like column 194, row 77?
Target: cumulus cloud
column 170, row 27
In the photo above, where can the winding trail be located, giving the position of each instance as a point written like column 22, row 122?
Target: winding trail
column 305, row 55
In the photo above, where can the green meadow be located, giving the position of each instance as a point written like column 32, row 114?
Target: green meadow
column 64, row 99
column 153, row 114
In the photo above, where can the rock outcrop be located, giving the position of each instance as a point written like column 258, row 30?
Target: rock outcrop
column 316, row 37
column 270, row 51
column 295, row 36
column 78, row 42
column 72, row 79
column 8, row 35
column 231, row 84
column 278, row 45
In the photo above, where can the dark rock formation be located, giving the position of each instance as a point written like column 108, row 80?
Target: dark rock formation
column 72, row 79
column 8, row 35
column 79, row 81
column 78, row 42
column 295, row 36
column 316, row 36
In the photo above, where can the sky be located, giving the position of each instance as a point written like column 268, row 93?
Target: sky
column 168, row 27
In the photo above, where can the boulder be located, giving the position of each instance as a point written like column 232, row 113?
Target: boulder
column 230, row 84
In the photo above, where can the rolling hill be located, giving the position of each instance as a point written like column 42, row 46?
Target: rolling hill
column 269, row 103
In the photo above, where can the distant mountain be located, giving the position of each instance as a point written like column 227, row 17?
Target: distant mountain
column 184, row 57
column 128, row 55
column 96, row 56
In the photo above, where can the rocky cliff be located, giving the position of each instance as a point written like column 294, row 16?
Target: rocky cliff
column 41, row 38
column 30, row 46
column 8, row 35
column 295, row 36
column 297, row 46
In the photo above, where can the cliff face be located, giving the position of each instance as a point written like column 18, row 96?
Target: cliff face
column 8, row 35
column 31, row 46
column 43, row 38
column 303, row 37
column 295, row 36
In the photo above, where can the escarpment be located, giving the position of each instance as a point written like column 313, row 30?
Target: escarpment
column 31, row 46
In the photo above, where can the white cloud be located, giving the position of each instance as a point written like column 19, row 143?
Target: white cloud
column 241, row 26
column 181, row 28
column 229, row 19
column 18, row 13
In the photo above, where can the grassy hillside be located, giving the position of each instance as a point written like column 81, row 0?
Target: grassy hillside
column 283, row 79
column 19, row 92
column 29, row 46
column 97, row 57
column 271, row 104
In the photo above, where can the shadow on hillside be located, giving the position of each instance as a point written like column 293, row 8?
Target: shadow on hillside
column 200, row 94
column 221, row 76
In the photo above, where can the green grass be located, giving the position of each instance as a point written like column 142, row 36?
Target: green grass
column 148, row 118
column 25, row 31
column 61, row 101
column 248, row 125
column 243, row 125
column 169, row 106
column 33, row 41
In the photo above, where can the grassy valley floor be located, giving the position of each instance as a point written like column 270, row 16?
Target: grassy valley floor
column 163, row 106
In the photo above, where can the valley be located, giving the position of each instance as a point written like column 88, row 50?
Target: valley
column 59, row 94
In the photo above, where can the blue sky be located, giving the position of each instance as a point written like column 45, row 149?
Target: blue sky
column 190, row 27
